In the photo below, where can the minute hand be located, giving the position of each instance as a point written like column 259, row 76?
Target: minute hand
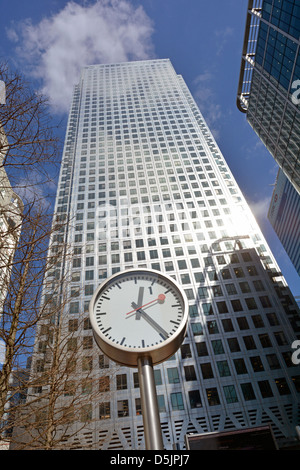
column 151, row 322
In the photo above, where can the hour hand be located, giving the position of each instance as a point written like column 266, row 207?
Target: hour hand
column 139, row 302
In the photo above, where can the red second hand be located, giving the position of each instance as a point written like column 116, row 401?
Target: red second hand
column 161, row 297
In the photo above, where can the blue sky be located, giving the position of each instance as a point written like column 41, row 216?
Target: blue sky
column 50, row 40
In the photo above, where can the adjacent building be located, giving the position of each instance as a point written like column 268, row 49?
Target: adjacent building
column 11, row 208
column 284, row 215
column 143, row 183
column 269, row 82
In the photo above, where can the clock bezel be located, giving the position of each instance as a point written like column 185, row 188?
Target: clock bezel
column 125, row 355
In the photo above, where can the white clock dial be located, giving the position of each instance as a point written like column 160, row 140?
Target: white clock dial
column 138, row 310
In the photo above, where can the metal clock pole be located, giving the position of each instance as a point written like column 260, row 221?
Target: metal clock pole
column 152, row 427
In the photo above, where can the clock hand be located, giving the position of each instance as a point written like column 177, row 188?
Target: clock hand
column 152, row 322
column 160, row 298
column 139, row 302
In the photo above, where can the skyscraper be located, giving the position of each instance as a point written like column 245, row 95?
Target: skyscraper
column 284, row 215
column 11, row 208
column 147, row 186
column 268, row 90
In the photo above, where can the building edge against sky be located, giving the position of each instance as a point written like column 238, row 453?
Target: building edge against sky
column 147, row 186
column 268, row 92
column 269, row 80
column 284, row 216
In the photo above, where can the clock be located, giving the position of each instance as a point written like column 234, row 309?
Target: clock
column 139, row 313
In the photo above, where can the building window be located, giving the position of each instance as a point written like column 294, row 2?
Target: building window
column 190, row 373
column 87, row 342
column 233, row 344
column 248, row 391
column 282, row 386
column 257, row 364
column 173, row 375
column 265, row 389
column 240, row 366
column 195, row 400
column 206, row 370
column 258, row 321
column 272, row 319
column 230, row 394
column 222, row 307
column 73, row 325
column 161, row 403
column 227, row 325
column 138, row 406
column 223, row 368
column 258, row 285
column 169, row 266
column 212, row 396
column 251, row 304
column 226, row 274
column 243, row 323
column 202, row 292
column 231, row 290
column 104, row 410
column 89, row 289
column 193, row 311
column 86, row 413
column 244, row 286
column 265, row 340
column 103, row 362
column 236, row 305
column 189, row 294
column 185, row 351
column 121, row 382
column 122, row 407
column 238, row 272
column 89, row 275
column 249, row 342
column 212, row 327
column 217, row 346
column 201, row 349
column 104, row 384
column 87, row 363
column 217, row 291
column 76, row 262
column 265, row 301
column 273, row 361
column 280, row 338
column 197, row 329
column 252, row 270
column 177, row 401
column 207, row 309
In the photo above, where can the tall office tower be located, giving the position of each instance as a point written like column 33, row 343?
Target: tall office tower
column 284, row 215
column 11, row 208
column 145, row 185
column 268, row 90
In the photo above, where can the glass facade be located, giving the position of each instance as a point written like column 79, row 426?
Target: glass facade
column 284, row 215
column 273, row 104
column 145, row 185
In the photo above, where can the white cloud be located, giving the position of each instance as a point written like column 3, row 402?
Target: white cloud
column 104, row 31
column 260, row 208
column 222, row 37
column 34, row 188
column 207, row 101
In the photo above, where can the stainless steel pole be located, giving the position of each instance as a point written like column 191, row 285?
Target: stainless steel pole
column 152, row 428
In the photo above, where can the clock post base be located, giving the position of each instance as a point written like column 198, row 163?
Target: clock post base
column 152, row 427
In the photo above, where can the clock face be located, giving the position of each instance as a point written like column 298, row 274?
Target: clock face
column 137, row 310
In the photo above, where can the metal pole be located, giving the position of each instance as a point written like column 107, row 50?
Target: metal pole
column 152, row 428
